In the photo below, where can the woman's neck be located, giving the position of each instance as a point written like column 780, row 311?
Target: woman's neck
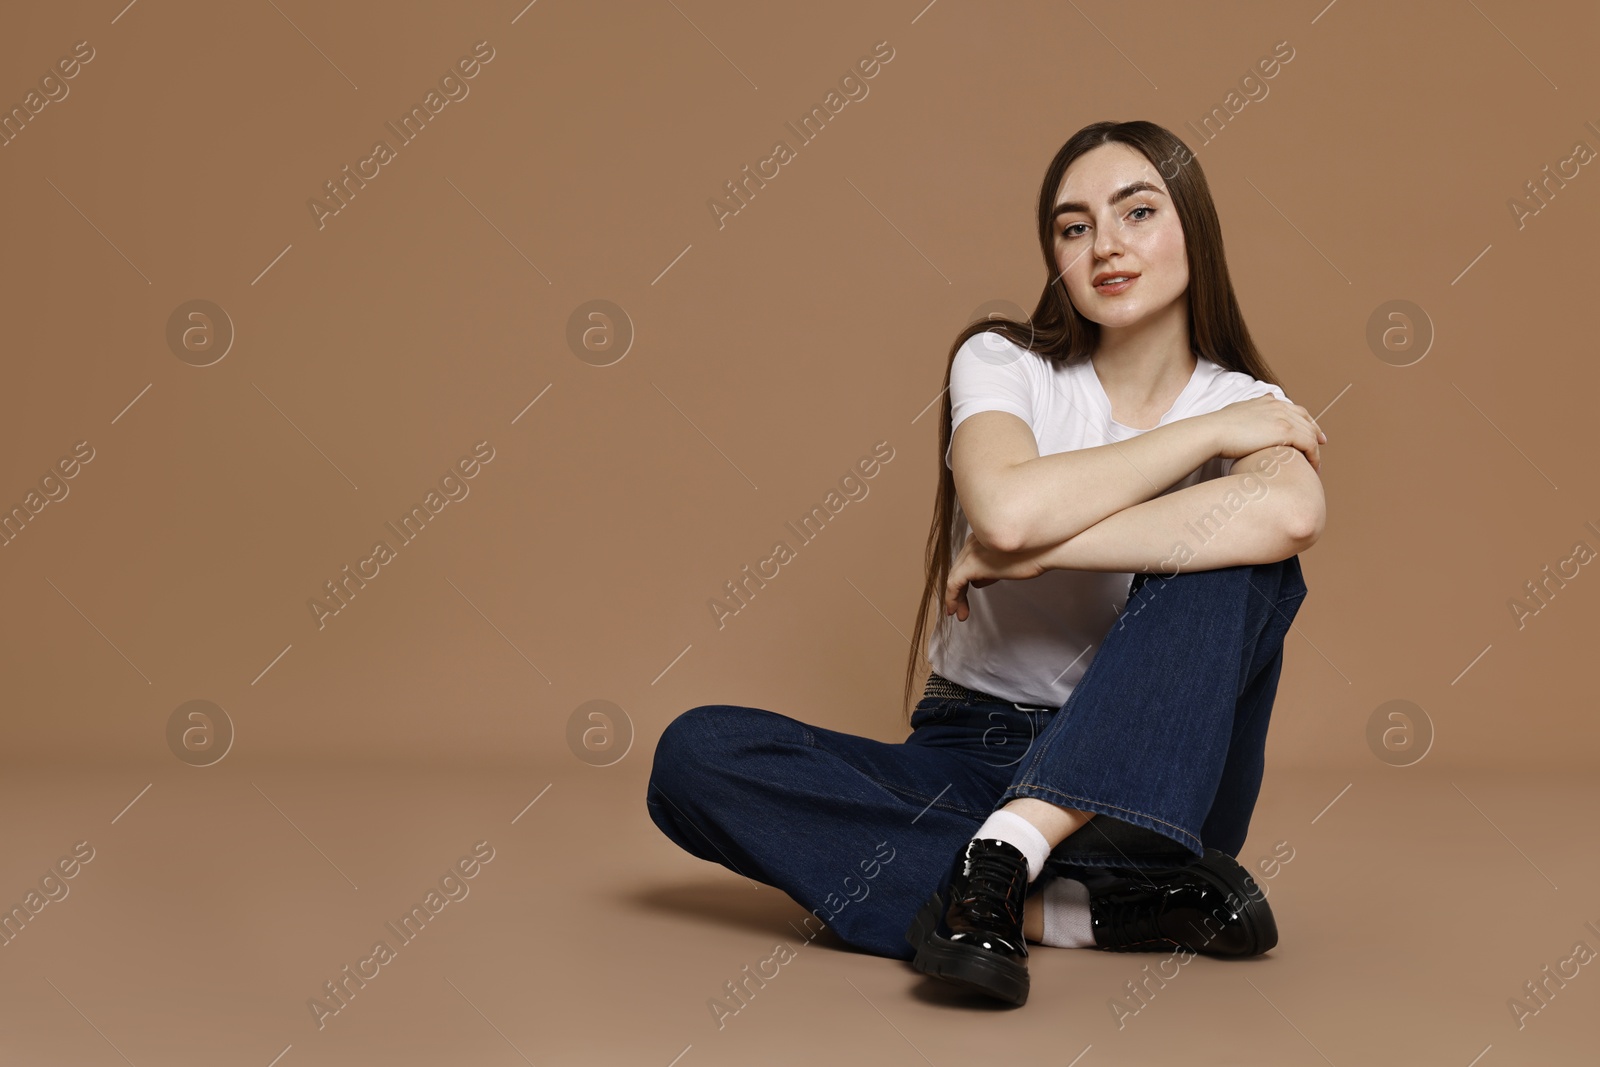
column 1143, row 371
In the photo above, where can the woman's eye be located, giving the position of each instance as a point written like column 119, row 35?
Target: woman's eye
column 1068, row 231
column 1144, row 207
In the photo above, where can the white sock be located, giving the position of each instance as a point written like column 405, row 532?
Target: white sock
column 1066, row 914
column 1013, row 829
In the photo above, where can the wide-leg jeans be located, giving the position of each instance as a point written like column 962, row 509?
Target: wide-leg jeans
column 1162, row 739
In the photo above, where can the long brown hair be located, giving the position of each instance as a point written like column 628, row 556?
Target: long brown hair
column 1057, row 331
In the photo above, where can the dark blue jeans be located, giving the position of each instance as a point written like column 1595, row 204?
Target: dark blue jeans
column 1162, row 739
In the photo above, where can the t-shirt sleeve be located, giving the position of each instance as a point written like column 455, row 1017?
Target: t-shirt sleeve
column 1256, row 388
column 989, row 374
column 1232, row 386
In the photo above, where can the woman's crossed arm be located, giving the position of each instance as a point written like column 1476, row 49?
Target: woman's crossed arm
column 1268, row 508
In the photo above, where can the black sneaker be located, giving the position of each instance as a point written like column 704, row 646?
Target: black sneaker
column 1211, row 906
column 970, row 932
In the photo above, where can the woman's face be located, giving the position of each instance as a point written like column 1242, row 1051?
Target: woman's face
column 1118, row 219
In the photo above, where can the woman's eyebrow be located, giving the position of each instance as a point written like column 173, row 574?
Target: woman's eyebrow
column 1121, row 194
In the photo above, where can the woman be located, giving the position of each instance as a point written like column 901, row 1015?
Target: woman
column 1129, row 489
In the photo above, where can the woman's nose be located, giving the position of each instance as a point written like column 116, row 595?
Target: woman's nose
column 1107, row 240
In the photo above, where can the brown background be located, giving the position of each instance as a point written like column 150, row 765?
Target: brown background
column 766, row 358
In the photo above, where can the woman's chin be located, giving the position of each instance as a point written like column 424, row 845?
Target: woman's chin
column 1115, row 318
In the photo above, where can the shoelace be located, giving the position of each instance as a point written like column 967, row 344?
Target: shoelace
column 1138, row 921
column 990, row 877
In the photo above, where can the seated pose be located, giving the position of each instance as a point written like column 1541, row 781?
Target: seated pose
column 1113, row 564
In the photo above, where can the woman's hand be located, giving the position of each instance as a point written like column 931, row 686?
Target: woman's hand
column 1247, row 426
column 979, row 565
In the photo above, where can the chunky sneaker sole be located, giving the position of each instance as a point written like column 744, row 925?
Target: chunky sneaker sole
column 965, row 965
column 1223, row 872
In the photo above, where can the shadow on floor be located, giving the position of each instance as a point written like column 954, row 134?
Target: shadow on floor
column 719, row 903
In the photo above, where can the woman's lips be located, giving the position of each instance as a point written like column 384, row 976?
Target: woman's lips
column 1119, row 287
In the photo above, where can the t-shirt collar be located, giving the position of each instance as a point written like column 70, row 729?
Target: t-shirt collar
column 1097, row 393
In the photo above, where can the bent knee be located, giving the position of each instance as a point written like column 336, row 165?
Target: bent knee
column 701, row 738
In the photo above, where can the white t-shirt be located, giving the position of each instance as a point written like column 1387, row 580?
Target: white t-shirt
column 1031, row 641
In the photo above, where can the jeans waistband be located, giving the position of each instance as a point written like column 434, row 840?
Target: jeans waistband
column 943, row 688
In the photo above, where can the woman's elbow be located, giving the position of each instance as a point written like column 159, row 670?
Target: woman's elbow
column 1000, row 536
column 1305, row 521
column 995, row 525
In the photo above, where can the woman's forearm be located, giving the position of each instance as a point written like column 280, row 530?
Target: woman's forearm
column 1062, row 495
column 1220, row 522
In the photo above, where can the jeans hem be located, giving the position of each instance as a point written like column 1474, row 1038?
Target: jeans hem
column 1100, row 807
